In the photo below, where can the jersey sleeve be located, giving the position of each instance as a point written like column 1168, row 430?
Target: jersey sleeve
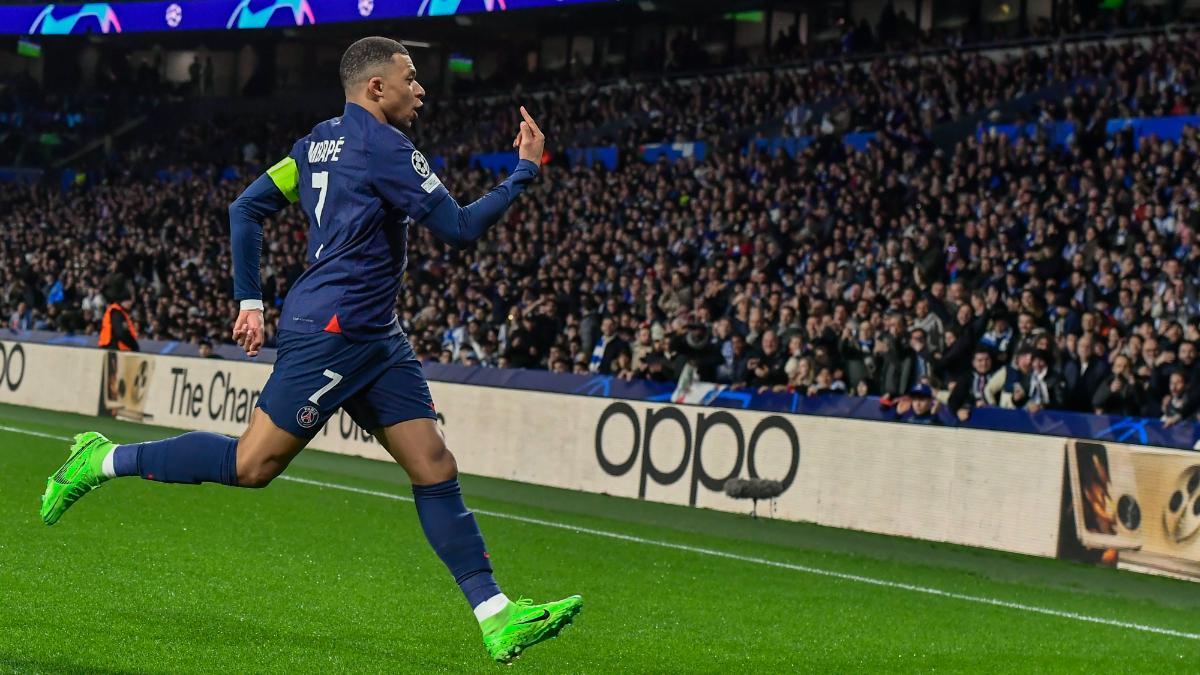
column 271, row 193
column 401, row 174
column 459, row 225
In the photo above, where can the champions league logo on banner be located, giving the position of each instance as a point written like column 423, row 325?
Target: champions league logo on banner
column 450, row 7
column 88, row 18
column 245, row 17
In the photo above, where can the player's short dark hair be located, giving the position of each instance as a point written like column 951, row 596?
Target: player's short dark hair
column 366, row 58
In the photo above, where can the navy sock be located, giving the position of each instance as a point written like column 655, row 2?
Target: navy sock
column 194, row 457
column 452, row 531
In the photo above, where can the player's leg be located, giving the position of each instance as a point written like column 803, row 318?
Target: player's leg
column 508, row 627
column 398, row 408
column 418, row 446
column 299, row 396
column 265, row 450
column 262, row 453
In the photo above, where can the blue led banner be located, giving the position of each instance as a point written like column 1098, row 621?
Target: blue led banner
column 140, row 17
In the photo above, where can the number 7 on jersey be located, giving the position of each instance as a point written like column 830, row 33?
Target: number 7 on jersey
column 320, row 181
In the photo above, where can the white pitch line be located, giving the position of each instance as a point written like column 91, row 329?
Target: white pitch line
column 995, row 602
column 775, row 563
column 30, row 432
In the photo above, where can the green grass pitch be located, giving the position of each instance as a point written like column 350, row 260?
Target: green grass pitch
column 301, row 577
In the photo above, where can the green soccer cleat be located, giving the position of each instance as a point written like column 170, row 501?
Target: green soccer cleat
column 523, row 624
column 79, row 475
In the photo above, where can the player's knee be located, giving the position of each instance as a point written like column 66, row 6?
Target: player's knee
column 256, row 476
column 436, row 464
column 445, row 462
column 253, row 470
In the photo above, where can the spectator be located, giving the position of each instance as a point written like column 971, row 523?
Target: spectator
column 858, row 353
column 972, row 391
column 454, row 335
column 923, row 360
column 693, row 346
column 641, row 348
column 1178, row 404
column 1084, row 374
column 1119, row 393
column 999, row 338
column 955, row 359
column 931, row 324
column 607, row 348
column 1015, row 374
column 919, row 407
column 118, row 331
column 657, row 369
column 1043, row 387
column 771, row 355
column 825, row 384
column 206, row 350
column 735, row 366
column 897, row 374
column 21, row 318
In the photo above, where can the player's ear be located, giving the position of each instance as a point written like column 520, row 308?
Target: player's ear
column 375, row 86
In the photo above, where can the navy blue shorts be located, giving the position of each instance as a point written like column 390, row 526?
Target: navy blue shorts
column 379, row 382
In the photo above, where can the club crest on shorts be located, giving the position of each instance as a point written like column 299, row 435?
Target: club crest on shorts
column 307, row 416
column 420, row 164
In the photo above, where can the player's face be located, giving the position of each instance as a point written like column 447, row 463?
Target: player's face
column 402, row 94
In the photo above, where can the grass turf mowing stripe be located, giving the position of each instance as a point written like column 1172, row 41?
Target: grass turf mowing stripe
column 885, row 583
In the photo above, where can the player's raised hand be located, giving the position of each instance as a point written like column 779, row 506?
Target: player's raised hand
column 248, row 331
column 530, row 140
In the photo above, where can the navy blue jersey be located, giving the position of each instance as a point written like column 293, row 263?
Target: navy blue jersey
column 360, row 182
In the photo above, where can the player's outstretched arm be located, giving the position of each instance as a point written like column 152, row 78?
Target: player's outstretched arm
column 266, row 196
column 460, row 225
column 419, row 192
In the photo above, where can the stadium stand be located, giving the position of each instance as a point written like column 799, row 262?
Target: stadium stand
column 968, row 241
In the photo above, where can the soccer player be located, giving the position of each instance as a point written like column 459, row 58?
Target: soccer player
column 361, row 183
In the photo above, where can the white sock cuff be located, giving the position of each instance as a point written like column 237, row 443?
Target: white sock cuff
column 491, row 607
column 109, row 469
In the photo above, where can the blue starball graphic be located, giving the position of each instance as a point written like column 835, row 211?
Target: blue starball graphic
column 1127, row 428
column 597, row 386
column 451, row 7
column 743, row 398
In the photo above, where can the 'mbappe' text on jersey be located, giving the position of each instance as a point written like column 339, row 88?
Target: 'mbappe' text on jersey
column 325, row 151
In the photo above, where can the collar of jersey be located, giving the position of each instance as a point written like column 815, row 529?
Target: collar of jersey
column 356, row 111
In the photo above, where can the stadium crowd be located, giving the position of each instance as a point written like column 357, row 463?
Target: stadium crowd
column 1114, row 80
column 1008, row 273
